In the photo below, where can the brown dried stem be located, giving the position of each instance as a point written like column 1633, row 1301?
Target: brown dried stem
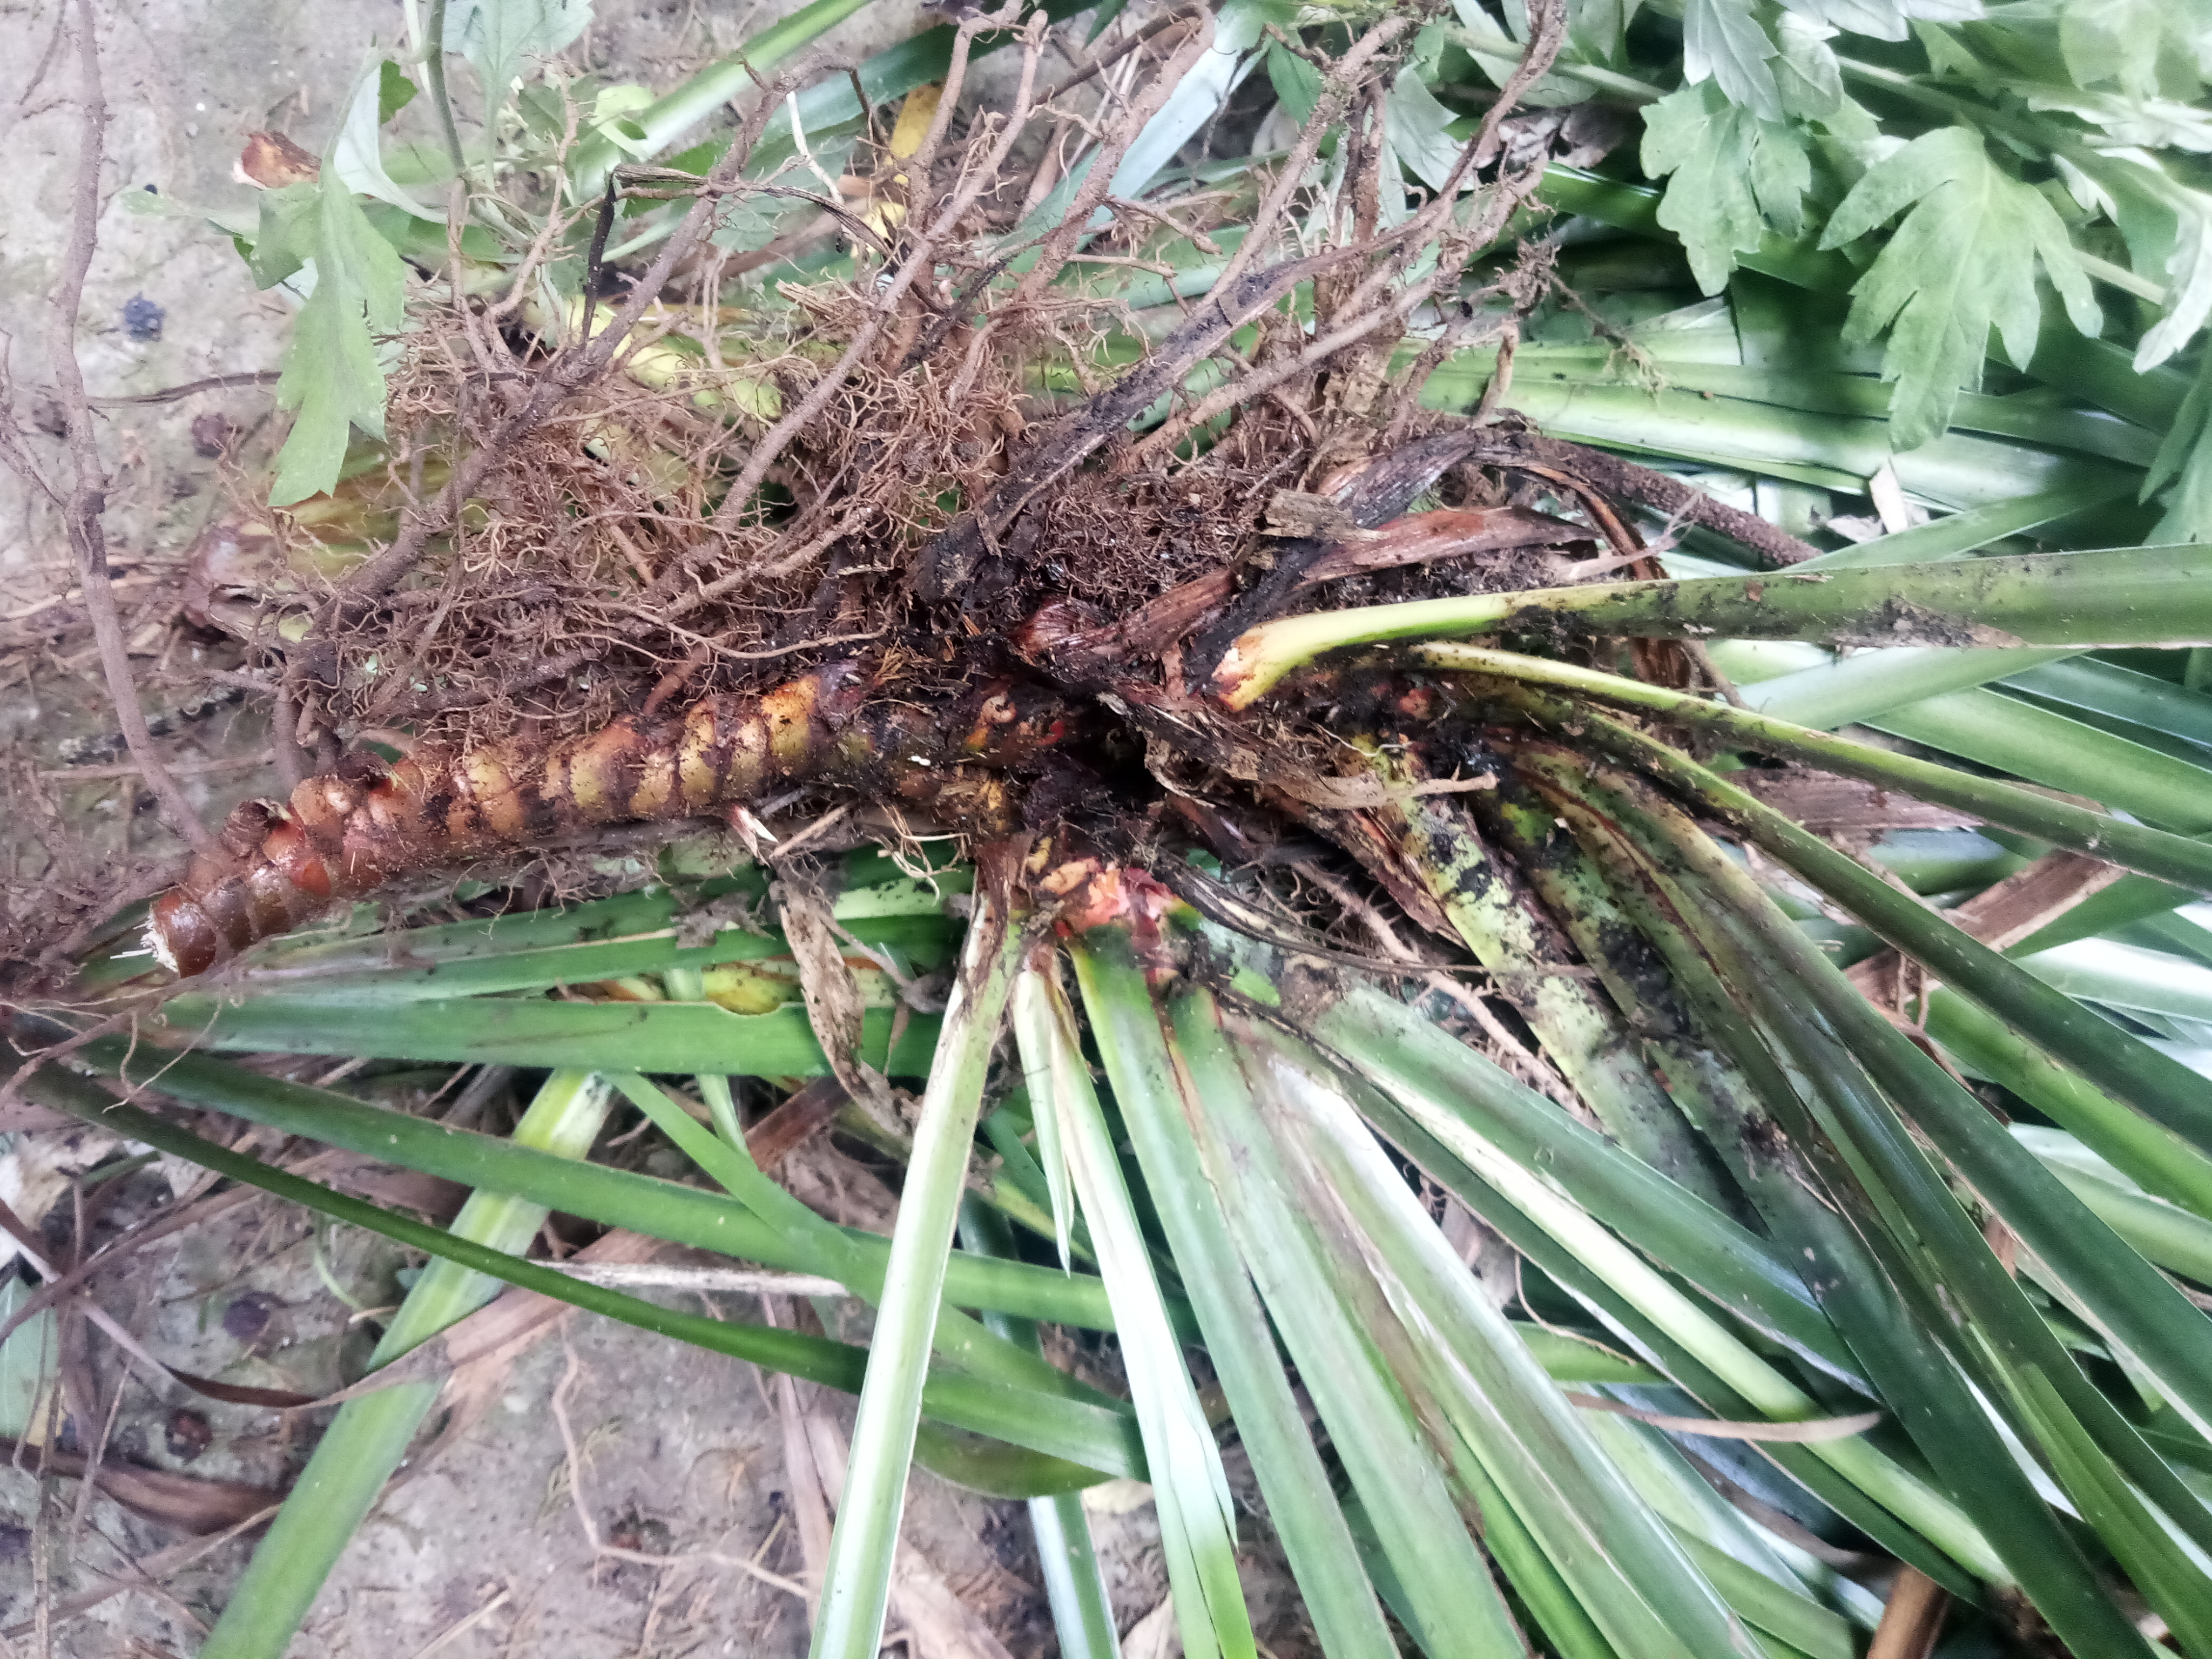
column 1051, row 256
column 918, row 262
column 577, row 369
column 1165, row 21
column 171, row 394
column 1599, row 475
column 1366, row 316
column 921, row 166
column 1335, row 93
column 87, row 495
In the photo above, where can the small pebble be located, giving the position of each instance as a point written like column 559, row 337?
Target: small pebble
column 212, row 432
column 189, row 1434
column 247, row 1317
column 143, row 318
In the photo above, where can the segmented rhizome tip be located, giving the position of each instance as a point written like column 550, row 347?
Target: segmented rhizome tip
column 344, row 834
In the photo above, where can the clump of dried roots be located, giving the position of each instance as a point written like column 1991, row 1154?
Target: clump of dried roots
column 593, row 547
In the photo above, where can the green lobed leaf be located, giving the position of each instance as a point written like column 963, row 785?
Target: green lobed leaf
column 332, row 377
column 1810, row 80
column 356, row 154
column 502, row 38
column 2095, row 371
column 1735, row 178
column 1722, row 42
column 2122, row 41
column 2167, row 227
column 284, row 238
column 1956, row 268
column 1420, row 130
column 1882, row 19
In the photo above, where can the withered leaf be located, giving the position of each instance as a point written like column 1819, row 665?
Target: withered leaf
column 1423, row 538
column 270, row 162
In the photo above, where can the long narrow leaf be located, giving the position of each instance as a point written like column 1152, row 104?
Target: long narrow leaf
column 1293, row 1478
column 1190, row 1490
column 2148, row 1151
column 1619, row 1314
column 1625, row 1570
column 1440, row 1573
column 1082, row 1611
column 612, row 1036
column 1866, row 684
column 1426, row 1086
column 2045, row 746
column 1841, row 1046
column 1104, row 1442
column 2139, row 1307
column 1416, row 1062
column 864, row 1543
column 616, row 1198
column 2156, row 852
column 960, row 1338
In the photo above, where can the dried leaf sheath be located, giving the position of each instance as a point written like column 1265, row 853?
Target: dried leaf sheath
column 345, row 832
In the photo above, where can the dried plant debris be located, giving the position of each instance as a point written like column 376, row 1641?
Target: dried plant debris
column 904, row 538
column 607, row 547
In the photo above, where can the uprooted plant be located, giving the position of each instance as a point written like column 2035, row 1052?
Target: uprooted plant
column 1392, row 807
column 842, row 482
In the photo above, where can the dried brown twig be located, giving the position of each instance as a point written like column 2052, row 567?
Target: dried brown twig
column 919, row 260
column 171, row 394
column 87, row 495
column 1364, row 314
column 575, row 369
column 1336, row 91
column 1051, row 256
